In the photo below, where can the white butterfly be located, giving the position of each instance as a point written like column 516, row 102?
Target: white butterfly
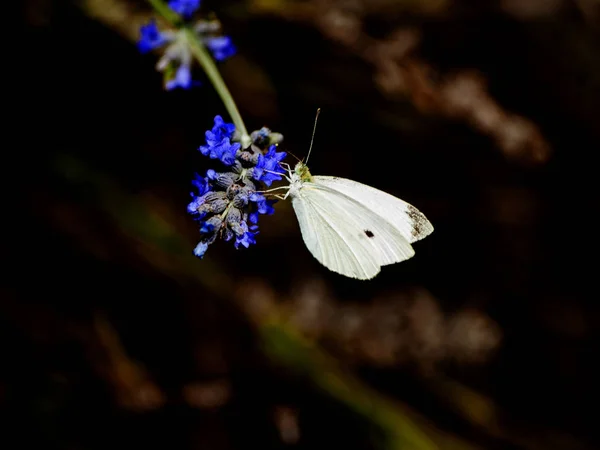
column 351, row 228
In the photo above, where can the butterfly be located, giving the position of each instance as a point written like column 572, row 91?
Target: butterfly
column 349, row 227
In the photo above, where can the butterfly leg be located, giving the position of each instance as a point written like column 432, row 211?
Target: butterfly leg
column 278, row 173
column 285, row 166
column 272, row 190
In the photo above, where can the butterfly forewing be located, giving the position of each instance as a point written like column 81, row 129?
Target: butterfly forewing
column 411, row 223
column 346, row 236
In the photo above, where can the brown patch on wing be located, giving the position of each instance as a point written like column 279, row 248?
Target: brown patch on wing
column 417, row 218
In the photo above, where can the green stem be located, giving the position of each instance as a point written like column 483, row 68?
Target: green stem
column 199, row 51
column 210, row 68
column 165, row 11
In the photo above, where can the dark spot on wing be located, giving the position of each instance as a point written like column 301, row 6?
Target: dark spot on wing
column 369, row 233
column 417, row 217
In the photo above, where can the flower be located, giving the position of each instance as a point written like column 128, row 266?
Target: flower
column 228, row 204
column 150, row 37
column 267, row 168
column 200, row 249
column 245, row 240
column 182, row 78
column 201, row 184
column 221, row 129
column 221, row 47
column 263, row 206
column 176, row 61
column 196, row 206
column 265, row 137
column 184, row 8
column 218, row 142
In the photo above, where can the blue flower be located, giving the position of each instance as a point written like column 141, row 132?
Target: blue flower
column 245, row 240
column 182, row 79
column 223, row 150
column 245, row 237
column 228, row 204
column 177, row 56
column 274, row 155
column 218, row 142
column 150, row 37
column 265, row 137
column 194, row 207
column 176, row 60
column 200, row 249
column 203, row 188
column 201, row 183
column 221, row 129
column 221, row 47
column 264, row 206
column 267, row 168
column 184, row 8
column 227, row 151
column 207, row 228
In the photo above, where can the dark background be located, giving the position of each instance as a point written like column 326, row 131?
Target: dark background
column 114, row 335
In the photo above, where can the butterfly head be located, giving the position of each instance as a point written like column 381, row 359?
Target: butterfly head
column 302, row 172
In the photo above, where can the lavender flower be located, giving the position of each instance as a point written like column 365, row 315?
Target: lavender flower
column 218, row 142
column 176, row 60
column 228, row 204
column 150, row 37
column 221, row 47
column 182, row 78
column 267, row 167
column 184, row 8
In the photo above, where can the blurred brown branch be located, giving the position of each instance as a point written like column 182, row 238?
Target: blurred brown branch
column 404, row 328
column 132, row 384
column 398, row 71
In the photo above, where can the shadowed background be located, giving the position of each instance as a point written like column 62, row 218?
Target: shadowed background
column 481, row 114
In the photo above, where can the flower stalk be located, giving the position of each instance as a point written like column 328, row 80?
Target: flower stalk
column 206, row 62
column 210, row 68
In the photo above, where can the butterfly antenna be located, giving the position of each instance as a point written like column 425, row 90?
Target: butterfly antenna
column 299, row 160
column 313, row 135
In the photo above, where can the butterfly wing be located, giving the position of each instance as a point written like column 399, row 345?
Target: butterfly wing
column 346, row 236
column 411, row 222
